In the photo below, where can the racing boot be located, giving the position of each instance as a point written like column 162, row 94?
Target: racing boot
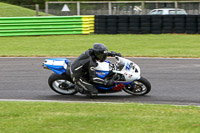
column 88, row 88
column 91, row 94
column 79, row 89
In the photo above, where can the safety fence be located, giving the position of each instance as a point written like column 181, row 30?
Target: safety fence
column 63, row 8
column 147, row 24
column 16, row 26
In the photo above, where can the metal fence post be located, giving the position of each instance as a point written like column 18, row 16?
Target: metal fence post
column 156, row 4
column 109, row 8
column 176, row 6
column 46, row 8
column 143, row 7
column 199, row 8
column 78, row 8
column 37, row 9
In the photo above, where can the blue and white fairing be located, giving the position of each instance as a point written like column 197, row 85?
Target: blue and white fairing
column 57, row 65
column 129, row 70
column 103, row 69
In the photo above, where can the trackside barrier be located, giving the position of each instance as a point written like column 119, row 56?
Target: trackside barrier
column 147, row 24
column 19, row 26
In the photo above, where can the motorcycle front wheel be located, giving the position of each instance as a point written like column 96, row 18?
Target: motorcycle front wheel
column 61, row 84
column 139, row 87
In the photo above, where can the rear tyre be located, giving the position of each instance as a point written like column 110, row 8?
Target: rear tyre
column 139, row 87
column 61, row 84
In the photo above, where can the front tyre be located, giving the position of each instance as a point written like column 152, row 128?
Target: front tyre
column 139, row 87
column 61, row 84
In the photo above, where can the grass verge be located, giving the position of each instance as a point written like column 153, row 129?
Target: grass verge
column 164, row 45
column 8, row 10
column 45, row 117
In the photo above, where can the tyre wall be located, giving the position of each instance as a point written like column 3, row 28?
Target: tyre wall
column 147, row 24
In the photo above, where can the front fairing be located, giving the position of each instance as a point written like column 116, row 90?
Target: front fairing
column 130, row 70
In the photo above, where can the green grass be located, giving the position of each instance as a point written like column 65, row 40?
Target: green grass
column 8, row 10
column 165, row 45
column 44, row 117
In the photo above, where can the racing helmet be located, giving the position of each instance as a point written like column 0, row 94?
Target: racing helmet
column 100, row 52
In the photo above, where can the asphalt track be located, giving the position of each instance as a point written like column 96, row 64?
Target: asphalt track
column 174, row 81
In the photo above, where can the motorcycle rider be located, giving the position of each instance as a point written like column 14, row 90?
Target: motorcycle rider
column 83, row 69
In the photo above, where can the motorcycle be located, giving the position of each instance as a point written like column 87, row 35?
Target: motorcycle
column 126, row 74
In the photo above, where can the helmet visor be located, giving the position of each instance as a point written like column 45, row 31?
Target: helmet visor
column 101, row 55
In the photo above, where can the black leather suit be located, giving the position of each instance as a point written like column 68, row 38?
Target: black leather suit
column 83, row 71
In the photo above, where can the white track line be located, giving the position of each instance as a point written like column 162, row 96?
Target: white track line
column 62, row 101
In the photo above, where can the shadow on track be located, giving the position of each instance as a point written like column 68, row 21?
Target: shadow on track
column 99, row 98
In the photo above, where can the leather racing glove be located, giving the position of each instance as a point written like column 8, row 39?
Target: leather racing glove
column 118, row 54
column 112, row 53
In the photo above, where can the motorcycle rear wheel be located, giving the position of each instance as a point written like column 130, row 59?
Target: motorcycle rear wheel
column 139, row 87
column 60, row 84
